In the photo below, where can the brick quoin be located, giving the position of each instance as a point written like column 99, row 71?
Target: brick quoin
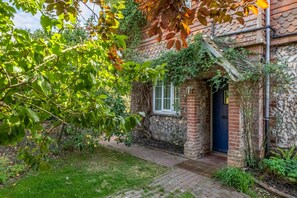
column 235, row 152
column 198, row 120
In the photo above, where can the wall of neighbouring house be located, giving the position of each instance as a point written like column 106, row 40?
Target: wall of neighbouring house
column 284, row 110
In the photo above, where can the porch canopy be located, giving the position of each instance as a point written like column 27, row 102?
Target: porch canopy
column 235, row 70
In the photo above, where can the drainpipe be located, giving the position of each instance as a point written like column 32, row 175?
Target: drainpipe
column 267, row 81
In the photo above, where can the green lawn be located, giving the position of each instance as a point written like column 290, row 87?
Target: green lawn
column 85, row 174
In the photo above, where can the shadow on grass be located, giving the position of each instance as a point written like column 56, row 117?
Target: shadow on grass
column 84, row 174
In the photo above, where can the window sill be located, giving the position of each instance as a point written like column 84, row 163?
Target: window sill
column 161, row 114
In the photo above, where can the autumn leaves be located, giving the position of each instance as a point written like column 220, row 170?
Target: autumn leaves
column 172, row 18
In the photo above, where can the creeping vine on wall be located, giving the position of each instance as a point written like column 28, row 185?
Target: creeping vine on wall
column 186, row 63
column 196, row 59
column 131, row 26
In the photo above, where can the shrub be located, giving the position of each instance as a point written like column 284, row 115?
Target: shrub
column 286, row 154
column 283, row 164
column 9, row 170
column 236, row 178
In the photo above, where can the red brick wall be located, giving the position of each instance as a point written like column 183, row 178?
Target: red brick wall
column 198, row 119
column 235, row 153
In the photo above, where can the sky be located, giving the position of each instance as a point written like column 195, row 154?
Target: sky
column 28, row 21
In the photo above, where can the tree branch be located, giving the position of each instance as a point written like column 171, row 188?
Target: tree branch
column 92, row 11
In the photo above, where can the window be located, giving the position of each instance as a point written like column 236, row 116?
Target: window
column 166, row 98
column 188, row 3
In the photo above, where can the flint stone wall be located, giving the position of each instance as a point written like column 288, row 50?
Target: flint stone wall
column 285, row 108
column 171, row 129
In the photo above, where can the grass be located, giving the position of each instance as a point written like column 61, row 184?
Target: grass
column 179, row 194
column 186, row 195
column 236, row 178
column 85, row 174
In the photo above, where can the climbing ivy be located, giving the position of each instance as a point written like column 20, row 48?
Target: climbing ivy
column 187, row 63
column 131, row 25
column 196, row 59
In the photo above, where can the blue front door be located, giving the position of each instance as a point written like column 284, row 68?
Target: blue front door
column 220, row 120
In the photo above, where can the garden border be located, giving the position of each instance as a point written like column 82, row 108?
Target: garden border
column 273, row 190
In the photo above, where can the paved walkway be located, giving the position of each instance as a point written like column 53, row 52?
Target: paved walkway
column 177, row 180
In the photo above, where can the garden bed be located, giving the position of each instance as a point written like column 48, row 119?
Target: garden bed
column 8, row 151
column 276, row 182
column 159, row 144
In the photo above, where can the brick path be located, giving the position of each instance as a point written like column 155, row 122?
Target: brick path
column 176, row 181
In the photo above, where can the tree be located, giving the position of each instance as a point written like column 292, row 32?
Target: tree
column 172, row 17
column 63, row 74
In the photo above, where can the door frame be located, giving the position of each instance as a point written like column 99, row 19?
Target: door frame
column 211, row 120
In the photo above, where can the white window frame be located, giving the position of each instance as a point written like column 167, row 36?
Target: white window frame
column 170, row 111
column 188, row 3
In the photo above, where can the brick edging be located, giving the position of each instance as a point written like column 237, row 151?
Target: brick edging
column 273, row 190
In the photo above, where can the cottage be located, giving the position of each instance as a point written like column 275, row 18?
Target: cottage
column 202, row 119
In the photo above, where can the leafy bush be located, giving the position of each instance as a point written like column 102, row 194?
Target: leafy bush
column 9, row 170
column 81, row 139
column 286, row 154
column 283, row 164
column 236, row 178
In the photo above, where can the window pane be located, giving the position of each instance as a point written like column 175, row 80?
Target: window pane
column 176, row 105
column 167, row 91
column 158, row 104
column 176, row 99
column 166, row 104
column 159, row 84
column 158, row 92
column 176, row 92
column 167, row 97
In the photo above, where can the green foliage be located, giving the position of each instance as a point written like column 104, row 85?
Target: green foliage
column 78, row 138
column 84, row 174
column 286, row 169
column 196, row 59
column 8, row 169
column 283, row 164
column 187, row 63
column 279, row 77
column 236, row 178
column 62, row 77
column 218, row 81
column 132, row 23
column 186, row 195
column 286, row 154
